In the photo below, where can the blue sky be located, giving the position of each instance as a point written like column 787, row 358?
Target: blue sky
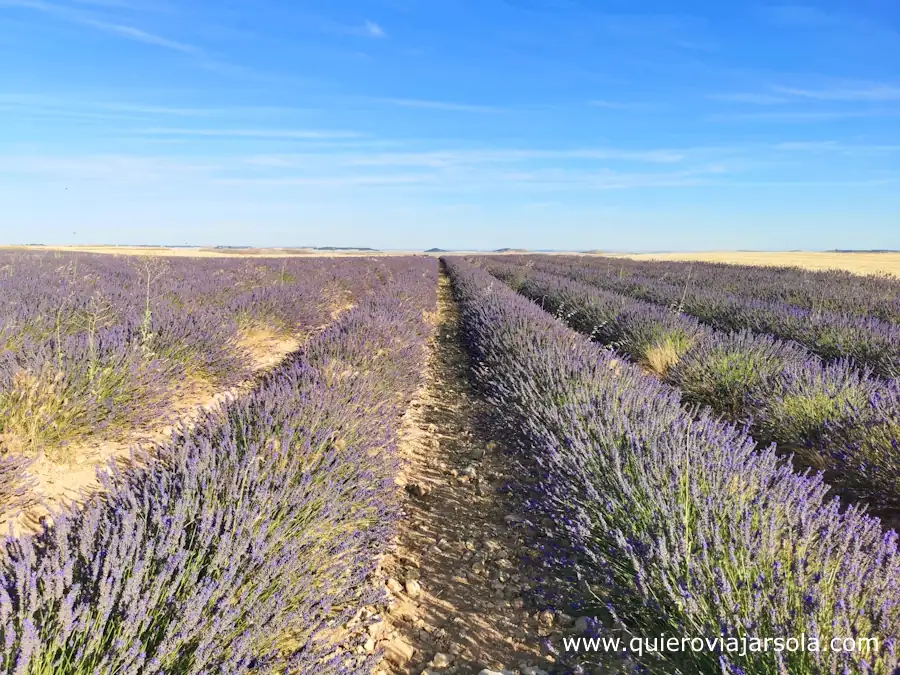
column 553, row 124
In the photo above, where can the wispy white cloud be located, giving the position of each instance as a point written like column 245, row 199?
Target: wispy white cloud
column 450, row 159
column 799, row 15
column 103, row 167
column 173, row 111
column 151, row 109
column 469, row 173
column 607, row 104
column 343, row 181
column 374, row 30
column 466, row 171
column 566, row 180
column 849, row 29
column 200, row 56
column 311, row 134
column 839, row 183
column 870, row 92
column 850, row 22
column 749, row 97
column 804, row 115
column 522, row 155
column 805, row 101
column 27, row 4
column 838, row 147
column 551, row 180
column 91, row 105
column 138, row 35
column 449, row 106
column 682, row 31
column 365, row 28
column 133, row 5
column 807, row 145
column 37, row 112
column 78, row 16
column 542, row 205
column 631, row 106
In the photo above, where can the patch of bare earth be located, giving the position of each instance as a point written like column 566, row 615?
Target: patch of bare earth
column 267, row 348
column 458, row 602
column 64, row 483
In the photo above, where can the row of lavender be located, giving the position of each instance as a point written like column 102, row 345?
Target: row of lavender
column 679, row 523
column 870, row 342
column 832, row 290
column 837, row 417
column 245, row 544
column 93, row 345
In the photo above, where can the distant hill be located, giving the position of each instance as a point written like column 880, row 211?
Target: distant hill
column 344, row 248
column 292, row 248
column 510, row 250
column 868, row 250
column 437, row 250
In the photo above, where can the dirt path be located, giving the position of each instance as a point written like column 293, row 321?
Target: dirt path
column 458, row 601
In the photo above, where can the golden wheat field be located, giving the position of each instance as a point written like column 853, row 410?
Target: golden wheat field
column 860, row 263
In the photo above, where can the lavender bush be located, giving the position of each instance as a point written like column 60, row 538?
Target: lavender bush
column 805, row 400
column 242, row 545
column 683, row 526
column 786, row 394
column 870, row 342
column 653, row 336
column 729, row 370
column 866, row 447
column 98, row 344
column 831, row 290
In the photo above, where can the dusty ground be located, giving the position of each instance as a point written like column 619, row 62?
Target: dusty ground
column 58, row 483
column 860, row 263
column 459, row 603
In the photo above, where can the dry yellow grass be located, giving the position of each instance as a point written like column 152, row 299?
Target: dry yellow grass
column 661, row 357
column 859, row 263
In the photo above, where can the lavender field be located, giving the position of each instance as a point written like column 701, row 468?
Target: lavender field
column 400, row 464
